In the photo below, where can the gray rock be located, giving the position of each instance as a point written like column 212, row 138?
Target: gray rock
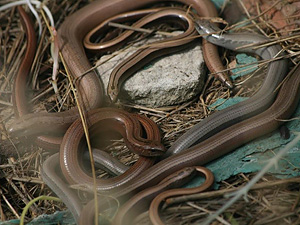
column 170, row 80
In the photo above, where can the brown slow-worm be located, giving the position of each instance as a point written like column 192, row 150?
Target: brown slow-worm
column 125, row 123
column 219, row 144
column 70, row 35
column 19, row 89
column 156, row 194
column 260, row 101
column 158, row 200
column 144, row 55
column 51, row 173
column 69, row 162
column 114, row 41
column 242, row 129
column 131, row 128
column 21, row 106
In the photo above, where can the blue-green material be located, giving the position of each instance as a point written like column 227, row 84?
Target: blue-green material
column 218, row 3
column 246, row 159
column 243, row 59
column 254, row 155
column 62, row 218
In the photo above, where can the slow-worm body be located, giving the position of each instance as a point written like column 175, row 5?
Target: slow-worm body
column 133, row 128
column 19, row 89
column 156, row 194
column 56, row 183
column 257, row 103
column 158, row 200
column 71, row 164
column 114, row 41
column 144, row 55
column 71, row 34
column 52, row 177
column 219, row 144
column 223, row 141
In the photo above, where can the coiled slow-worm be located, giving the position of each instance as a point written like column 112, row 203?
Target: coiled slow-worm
column 70, row 35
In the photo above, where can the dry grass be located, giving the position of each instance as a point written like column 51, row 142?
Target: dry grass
column 21, row 159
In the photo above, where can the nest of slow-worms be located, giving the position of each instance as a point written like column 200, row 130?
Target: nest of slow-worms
column 270, row 201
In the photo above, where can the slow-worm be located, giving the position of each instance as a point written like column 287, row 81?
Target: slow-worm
column 158, row 200
column 19, row 89
column 144, row 55
column 56, row 183
column 53, row 179
column 221, row 143
column 114, row 41
column 156, row 194
column 70, row 35
column 19, row 93
column 130, row 129
column 104, row 161
column 257, row 103
column 70, row 163
column 248, row 129
column 132, row 124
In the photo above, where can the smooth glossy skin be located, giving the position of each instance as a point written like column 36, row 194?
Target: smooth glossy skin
column 55, row 182
column 71, row 34
column 21, row 106
column 131, row 128
column 140, row 145
column 256, row 104
column 106, row 162
column 145, row 55
column 19, row 88
column 141, row 201
column 49, row 175
column 73, row 141
column 158, row 200
column 53, row 178
column 221, row 143
column 116, row 40
column 153, row 196
column 224, row 141
column 19, row 93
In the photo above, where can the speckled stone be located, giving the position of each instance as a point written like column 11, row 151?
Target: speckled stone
column 170, row 80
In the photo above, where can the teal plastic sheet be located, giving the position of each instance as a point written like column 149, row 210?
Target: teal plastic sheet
column 62, row 218
column 253, row 156
column 243, row 60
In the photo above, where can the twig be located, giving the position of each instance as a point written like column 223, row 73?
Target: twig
column 252, row 21
column 9, row 205
column 22, row 196
column 33, row 202
column 2, row 215
column 176, row 110
column 243, row 191
column 84, row 124
column 220, row 219
column 33, row 180
column 143, row 30
column 219, row 193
